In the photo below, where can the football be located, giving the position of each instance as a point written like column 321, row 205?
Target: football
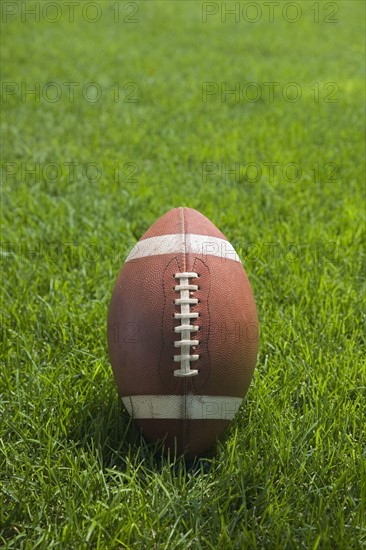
column 183, row 333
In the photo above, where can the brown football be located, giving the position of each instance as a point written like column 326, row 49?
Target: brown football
column 183, row 332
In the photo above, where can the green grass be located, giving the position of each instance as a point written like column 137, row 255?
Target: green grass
column 74, row 472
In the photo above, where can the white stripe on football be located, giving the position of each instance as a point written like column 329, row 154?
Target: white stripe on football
column 176, row 407
column 201, row 245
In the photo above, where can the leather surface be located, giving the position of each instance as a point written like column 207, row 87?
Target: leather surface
column 193, row 438
column 141, row 330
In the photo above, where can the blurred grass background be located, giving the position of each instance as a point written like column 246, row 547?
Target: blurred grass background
column 74, row 473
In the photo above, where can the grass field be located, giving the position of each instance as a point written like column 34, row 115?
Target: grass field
column 130, row 116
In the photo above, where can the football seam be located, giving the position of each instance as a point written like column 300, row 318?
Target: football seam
column 185, row 422
column 208, row 329
column 184, row 240
column 165, row 312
